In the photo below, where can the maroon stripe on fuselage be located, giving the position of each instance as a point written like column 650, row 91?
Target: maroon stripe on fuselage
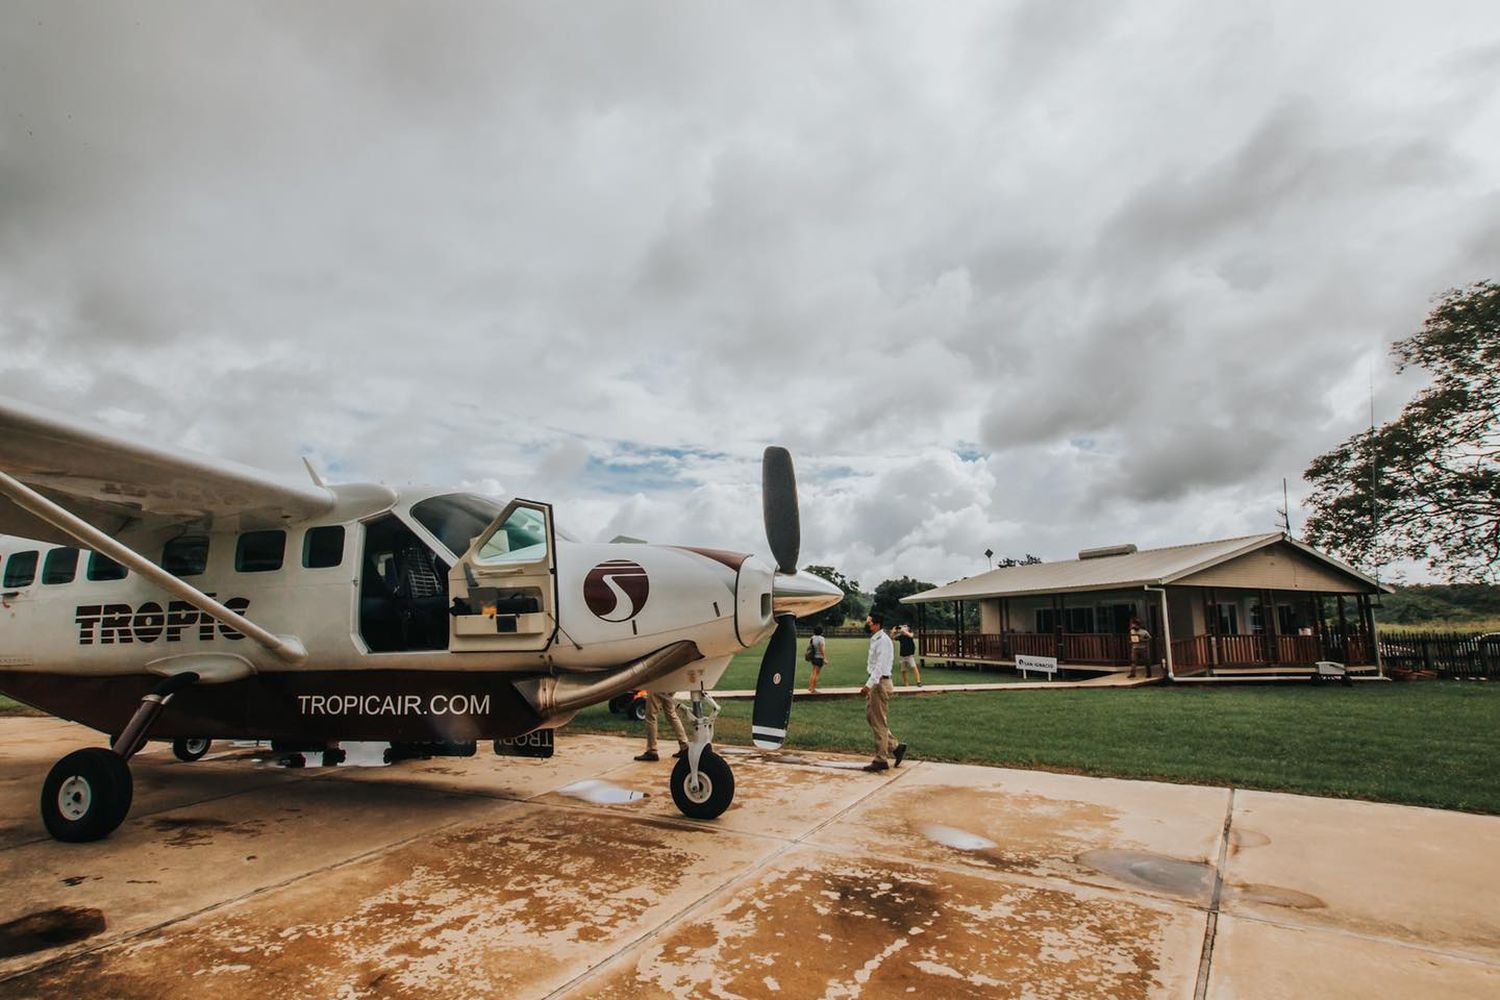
column 734, row 560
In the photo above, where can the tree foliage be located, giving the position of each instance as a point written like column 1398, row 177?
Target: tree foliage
column 853, row 606
column 1426, row 486
column 937, row 616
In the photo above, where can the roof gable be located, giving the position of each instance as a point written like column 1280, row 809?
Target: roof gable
column 1175, row 564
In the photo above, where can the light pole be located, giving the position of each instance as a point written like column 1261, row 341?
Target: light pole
column 990, row 555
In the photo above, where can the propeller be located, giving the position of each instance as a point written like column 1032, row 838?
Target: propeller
column 778, row 667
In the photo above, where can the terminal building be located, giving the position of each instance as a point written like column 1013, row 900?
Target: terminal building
column 1260, row 605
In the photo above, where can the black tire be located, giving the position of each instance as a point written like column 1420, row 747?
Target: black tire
column 190, row 748
column 638, row 710
column 705, row 802
column 86, row 795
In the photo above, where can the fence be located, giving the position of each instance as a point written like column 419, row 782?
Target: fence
column 1450, row 654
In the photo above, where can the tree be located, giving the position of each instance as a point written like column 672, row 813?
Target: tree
column 852, row 606
column 1005, row 561
column 1426, row 486
column 937, row 616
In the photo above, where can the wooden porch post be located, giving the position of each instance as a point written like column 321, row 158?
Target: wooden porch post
column 1343, row 632
column 1211, row 621
column 1272, row 627
column 922, row 633
column 1005, row 650
column 1057, row 624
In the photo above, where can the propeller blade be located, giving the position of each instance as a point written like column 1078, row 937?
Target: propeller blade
column 778, row 492
column 773, row 690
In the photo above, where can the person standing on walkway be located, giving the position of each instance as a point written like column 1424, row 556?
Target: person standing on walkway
column 877, row 692
column 908, row 648
column 655, row 705
column 817, row 655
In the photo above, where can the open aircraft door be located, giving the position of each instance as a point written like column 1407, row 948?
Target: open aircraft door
column 505, row 587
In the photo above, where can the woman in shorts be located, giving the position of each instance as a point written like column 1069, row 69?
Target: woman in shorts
column 817, row 654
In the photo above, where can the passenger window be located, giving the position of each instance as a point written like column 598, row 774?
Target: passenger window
column 260, row 551
column 21, row 569
column 186, row 556
column 522, row 538
column 60, row 566
column 102, row 567
column 323, row 547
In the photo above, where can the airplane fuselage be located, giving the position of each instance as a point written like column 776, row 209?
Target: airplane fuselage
column 407, row 637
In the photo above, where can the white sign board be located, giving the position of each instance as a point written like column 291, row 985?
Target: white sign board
column 1041, row 664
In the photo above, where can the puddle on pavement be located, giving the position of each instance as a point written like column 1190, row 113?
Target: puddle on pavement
column 1189, row 879
column 601, row 792
column 49, row 929
column 959, row 840
column 1275, row 895
column 841, row 765
column 1240, row 839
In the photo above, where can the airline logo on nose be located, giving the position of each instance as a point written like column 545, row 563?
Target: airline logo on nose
column 616, row 590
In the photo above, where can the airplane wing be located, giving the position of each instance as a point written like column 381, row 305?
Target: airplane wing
column 114, row 483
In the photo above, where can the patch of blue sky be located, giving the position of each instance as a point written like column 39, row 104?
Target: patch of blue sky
column 633, row 474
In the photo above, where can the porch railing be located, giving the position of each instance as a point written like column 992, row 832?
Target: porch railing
column 1260, row 650
column 1100, row 648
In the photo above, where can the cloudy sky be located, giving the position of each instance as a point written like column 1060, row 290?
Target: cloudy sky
column 1025, row 276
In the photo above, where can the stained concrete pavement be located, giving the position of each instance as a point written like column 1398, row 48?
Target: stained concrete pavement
column 577, row 877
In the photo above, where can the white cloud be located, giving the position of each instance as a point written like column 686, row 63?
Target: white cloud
column 1133, row 263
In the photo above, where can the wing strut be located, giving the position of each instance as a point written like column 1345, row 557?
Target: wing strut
column 287, row 647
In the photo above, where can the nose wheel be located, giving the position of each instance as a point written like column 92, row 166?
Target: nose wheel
column 702, row 781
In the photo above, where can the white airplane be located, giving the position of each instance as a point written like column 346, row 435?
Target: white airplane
column 173, row 596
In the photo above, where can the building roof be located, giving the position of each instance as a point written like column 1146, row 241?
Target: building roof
column 1146, row 568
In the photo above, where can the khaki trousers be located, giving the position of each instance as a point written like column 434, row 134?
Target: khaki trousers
column 656, row 704
column 877, row 704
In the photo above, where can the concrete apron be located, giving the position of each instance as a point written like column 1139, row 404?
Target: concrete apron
column 578, row 877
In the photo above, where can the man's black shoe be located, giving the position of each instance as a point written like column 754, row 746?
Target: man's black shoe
column 899, row 753
column 877, row 765
column 648, row 755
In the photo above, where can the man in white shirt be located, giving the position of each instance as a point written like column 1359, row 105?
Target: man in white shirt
column 877, row 692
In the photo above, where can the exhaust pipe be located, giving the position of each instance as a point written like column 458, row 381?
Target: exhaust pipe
column 550, row 697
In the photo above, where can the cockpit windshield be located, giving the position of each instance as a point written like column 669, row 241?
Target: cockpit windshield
column 456, row 519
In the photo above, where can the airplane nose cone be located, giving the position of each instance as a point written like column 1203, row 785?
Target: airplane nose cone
column 802, row 594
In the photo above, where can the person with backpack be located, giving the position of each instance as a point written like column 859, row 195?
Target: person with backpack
column 817, row 655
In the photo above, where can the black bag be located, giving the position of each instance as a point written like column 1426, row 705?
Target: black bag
column 808, row 656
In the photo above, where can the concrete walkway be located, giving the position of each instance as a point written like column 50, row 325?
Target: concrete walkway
column 577, row 877
column 1101, row 681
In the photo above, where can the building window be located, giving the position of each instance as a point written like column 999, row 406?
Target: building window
column 103, row 568
column 260, row 551
column 1229, row 619
column 185, row 556
column 21, row 569
column 323, row 547
column 60, row 566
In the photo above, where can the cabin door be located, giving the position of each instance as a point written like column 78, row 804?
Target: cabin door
column 505, row 587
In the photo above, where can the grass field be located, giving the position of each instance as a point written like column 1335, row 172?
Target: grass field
column 1428, row 744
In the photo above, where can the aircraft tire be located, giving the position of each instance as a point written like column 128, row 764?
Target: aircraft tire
column 86, row 795
column 715, row 792
column 638, row 710
column 188, row 748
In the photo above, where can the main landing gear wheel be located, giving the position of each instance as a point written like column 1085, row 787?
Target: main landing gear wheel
column 86, row 795
column 190, row 749
column 711, row 794
column 638, row 709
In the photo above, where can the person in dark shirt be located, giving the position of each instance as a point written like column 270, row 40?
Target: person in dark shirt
column 908, row 648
